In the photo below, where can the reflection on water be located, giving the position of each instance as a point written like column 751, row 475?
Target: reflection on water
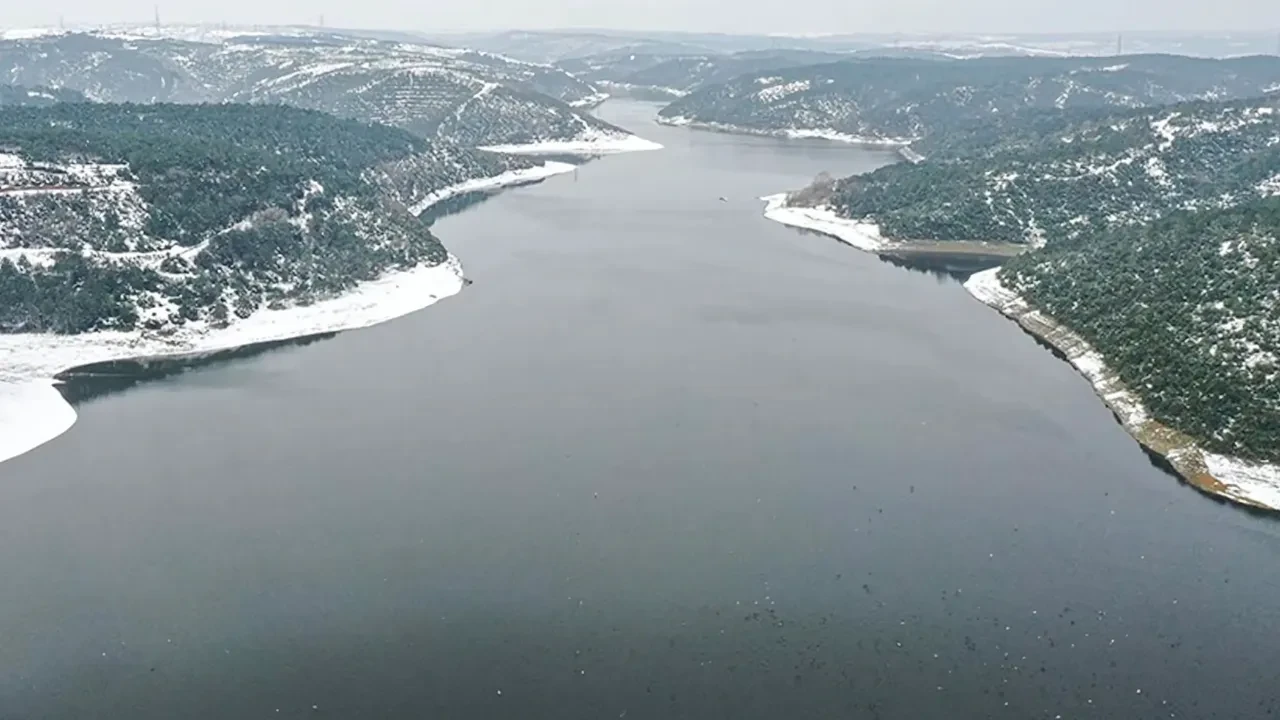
column 460, row 203
column 84, row 383
column 956, row 267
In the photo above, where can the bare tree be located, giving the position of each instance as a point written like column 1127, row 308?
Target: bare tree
column 817, row 193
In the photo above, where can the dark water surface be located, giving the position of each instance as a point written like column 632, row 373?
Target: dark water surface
column 664, row 459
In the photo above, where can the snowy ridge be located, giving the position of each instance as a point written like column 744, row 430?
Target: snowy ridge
column 862, row 235
column 418, row 87
column 33, row 412
column 884, row 99
column 1249, row 483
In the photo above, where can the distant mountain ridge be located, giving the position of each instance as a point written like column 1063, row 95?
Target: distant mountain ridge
column 554, row 46
column 1059, row 181
column 675, row 75
column 906, row 100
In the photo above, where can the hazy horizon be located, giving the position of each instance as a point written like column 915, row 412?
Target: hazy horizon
column 799, row 17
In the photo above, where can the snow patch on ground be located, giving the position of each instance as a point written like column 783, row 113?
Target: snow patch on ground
column 910, row 155
column 33, row 412
column 862, row 235
column 29, row 33
column 1250, row 483
column 777, row 92
column 1257, row 481
column 1270, row 187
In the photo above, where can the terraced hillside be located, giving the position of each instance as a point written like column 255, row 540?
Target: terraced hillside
column 459, row 96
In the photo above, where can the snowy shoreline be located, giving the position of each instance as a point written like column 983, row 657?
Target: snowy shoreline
column 898, row 144
column 506, row 179
column 1241, row 481
column 862, row 235
column 33, row 412
column 600, row 144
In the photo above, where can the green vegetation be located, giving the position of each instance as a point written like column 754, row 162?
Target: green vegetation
column 201, row 168
column 1114, row 169
column 73, row 295
column 1186, row 310
column 1156, row 236
column 219, row 211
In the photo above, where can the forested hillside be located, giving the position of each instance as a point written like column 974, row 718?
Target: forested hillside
column 1155, row 236
column 904, row 100
column 1053, row 179
column 119, row 216
column 1186, row 310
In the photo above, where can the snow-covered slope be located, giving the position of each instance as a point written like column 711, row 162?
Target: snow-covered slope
column 1043, row 184
column 888, row 99
column 658, row 75
column 177, row 230
column 462, row 96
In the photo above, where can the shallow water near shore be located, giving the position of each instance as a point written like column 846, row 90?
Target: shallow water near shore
column 665, row 458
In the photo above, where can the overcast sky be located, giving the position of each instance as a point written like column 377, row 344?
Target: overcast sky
column 740, row 16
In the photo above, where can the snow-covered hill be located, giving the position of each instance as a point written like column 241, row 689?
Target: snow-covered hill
column 1040, row 186
column 120, row 217
column 461, row 96
column 667, row 75
column 888, row 100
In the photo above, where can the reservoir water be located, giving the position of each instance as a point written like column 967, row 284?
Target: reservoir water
column 664, row 459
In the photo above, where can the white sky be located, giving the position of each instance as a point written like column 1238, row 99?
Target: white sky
column 733, row 16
